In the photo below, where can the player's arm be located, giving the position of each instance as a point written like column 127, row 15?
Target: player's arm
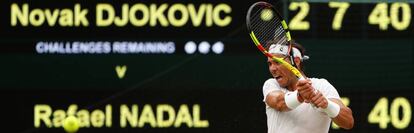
column 334, row 108
column 344, row 118
column 283, row 102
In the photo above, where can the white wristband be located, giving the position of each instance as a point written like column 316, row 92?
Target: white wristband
column 291, row 99
column 332, row 110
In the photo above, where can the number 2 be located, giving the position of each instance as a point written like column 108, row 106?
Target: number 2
column 297, row 22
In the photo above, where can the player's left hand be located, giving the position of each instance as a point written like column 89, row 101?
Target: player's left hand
column 305, row 89
column 319, row 100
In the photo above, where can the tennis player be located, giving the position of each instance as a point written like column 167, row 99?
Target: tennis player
column 300, row 106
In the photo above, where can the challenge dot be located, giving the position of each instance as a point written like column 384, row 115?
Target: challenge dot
column 190, row 47
column 218, row 47
column 204, row 47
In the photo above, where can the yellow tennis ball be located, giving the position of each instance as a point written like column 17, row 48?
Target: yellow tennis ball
column 71, row 124
column 266, row 14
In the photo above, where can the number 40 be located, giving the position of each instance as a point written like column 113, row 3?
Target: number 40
column 379, row 114
column 380, row 16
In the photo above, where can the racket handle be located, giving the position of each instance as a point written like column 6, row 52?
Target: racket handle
column 302, row 78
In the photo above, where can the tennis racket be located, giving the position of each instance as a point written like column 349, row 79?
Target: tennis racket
column 267, row 27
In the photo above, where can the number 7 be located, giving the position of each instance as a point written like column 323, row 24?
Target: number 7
column 339, row 15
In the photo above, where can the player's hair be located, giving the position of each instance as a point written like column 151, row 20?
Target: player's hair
column 302, row 52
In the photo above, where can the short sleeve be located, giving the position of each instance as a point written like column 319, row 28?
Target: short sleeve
column 269, row 86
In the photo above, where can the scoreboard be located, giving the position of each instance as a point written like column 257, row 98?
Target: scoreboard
column 190, row 66
column 351, row 20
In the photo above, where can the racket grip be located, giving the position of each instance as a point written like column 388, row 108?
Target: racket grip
column 302, row 78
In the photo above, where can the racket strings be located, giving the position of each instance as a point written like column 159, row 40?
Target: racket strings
column 265, row 33
column 264, row 29
column 260, row 25
column 268, row 31
column 265, row 26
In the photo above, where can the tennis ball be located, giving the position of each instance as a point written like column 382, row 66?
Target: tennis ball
column 71, row 124
column 266, row 14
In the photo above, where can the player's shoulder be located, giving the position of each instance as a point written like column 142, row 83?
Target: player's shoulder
column 322, row 84
column 270, row 81
column 319, row 80
column 270, row 85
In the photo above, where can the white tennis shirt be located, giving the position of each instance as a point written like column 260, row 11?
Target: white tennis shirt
column 303, row 119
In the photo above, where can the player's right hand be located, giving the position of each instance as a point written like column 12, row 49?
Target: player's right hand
column 318, row 100
column 305, row 89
